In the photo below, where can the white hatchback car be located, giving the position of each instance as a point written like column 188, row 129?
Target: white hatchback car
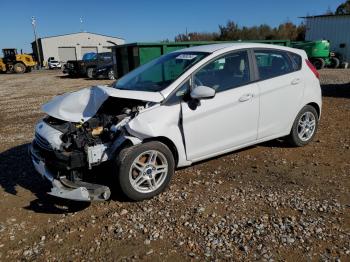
column 53, row 64
column 184, row 107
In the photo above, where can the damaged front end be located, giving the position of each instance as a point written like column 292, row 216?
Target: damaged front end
column 64, row 150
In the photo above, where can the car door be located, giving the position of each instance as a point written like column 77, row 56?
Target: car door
column 281, row 89
column 228, row 120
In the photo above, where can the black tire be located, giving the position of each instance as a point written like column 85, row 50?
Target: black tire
column 19, row 68
column 335, row 62
column 110, row 74
column 318, row 63
column 294, row 138
column 124, row 164
column 90, row 72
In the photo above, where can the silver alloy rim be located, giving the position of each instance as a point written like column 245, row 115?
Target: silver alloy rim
column 111, row 75
column 306, row 126
column 148, row 171
column 90, row 72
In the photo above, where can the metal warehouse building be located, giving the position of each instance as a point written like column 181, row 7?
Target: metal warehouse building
column 335, row 28
column 74, row 46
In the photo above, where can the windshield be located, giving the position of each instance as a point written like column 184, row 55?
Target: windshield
column 159, row 73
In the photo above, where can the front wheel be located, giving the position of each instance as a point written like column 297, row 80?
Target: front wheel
column 19, row 68
column 304, row 127
column 145, row 170
column 110, row 75
column 90, row 72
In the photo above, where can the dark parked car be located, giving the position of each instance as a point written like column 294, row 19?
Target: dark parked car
column 105, row 71
column 86, row 67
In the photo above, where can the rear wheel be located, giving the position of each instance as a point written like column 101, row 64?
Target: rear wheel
column 304, row 127
column 335, row 62
column 90, row 72
column 19, row 68
column 145, row 170
column 319, row 63
column 110, row 75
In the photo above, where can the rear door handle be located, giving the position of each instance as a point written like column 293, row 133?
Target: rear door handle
column 245, row 97
column 295, row 81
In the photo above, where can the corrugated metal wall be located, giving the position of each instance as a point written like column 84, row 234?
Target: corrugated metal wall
column 333, row 28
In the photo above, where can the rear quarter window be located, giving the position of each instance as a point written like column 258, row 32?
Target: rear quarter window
column 297, row 60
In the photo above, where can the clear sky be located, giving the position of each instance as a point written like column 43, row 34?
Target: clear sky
column 144, row 20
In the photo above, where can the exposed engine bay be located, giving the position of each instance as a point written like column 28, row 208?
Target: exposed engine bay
column 102, row 128
column 96, row 134
column 83, row 144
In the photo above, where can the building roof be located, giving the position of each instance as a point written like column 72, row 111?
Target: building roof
column 330, row 15
column 82, row 33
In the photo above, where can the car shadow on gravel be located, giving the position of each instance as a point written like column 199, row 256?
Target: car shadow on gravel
column 16, row 170
column 67, row 77
column 276, row 143
column 336, row 90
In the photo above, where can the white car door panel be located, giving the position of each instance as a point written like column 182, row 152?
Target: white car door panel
column 228, row 120
column 279, row 98
column 280, row 94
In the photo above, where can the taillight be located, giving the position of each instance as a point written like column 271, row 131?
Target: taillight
column 313, row 68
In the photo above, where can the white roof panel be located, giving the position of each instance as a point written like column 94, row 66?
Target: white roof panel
column 232, row 46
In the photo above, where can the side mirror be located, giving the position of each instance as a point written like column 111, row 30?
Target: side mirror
column 203, row 92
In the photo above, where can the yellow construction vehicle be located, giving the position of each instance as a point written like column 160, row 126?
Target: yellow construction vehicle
column 16, row 63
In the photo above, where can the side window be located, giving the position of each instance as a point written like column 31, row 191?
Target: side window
column 297, row 61
column 272, row 63
column 105, row 56
column 226, row 72
column 182, row 93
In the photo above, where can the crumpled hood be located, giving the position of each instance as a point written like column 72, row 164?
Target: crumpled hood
column 83, row 104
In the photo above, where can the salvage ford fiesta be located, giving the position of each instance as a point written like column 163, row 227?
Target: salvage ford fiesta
column 184, row 107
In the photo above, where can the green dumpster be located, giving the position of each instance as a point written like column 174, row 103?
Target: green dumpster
column 130, row 56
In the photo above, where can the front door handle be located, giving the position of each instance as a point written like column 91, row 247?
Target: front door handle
column 295, row 81
column 245, row 97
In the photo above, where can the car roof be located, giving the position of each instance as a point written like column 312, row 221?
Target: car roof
column 233, row 46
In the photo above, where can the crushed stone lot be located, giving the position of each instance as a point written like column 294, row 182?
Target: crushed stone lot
column 269, row 202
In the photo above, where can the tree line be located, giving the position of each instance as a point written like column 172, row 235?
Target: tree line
column 343, row 9
column 232, row 31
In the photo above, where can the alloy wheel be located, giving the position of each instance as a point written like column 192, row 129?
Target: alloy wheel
column 148, row 171
column 306, row 126
column 111, row 75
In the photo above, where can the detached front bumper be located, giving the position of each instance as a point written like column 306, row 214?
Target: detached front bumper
column 64, row 188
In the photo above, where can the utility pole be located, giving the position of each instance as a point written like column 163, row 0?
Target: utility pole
column 36, row 41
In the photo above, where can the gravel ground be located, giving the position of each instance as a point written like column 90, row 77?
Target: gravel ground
column 268, row 202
